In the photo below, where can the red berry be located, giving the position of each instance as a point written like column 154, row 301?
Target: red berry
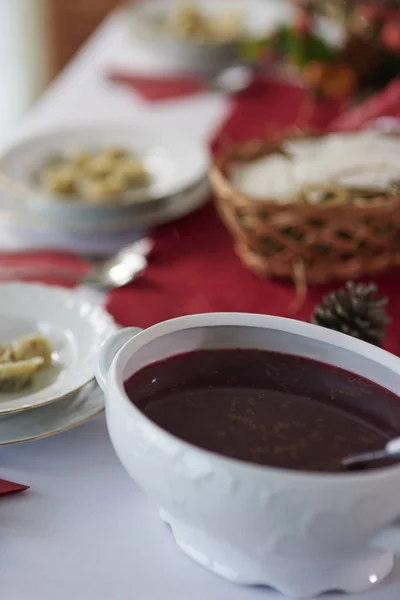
column 391, row 35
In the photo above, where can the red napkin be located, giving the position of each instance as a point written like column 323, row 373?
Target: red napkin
column 157, row 88
column 42, row 265
column 8, row 487
column 386, row 104
column 270, row 106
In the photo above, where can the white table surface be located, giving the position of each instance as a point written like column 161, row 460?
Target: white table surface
column 81, row 92
column 84, row 531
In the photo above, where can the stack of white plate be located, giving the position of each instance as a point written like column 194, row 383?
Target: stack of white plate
column 260, row 17
column 64, row 394
column 30, row 217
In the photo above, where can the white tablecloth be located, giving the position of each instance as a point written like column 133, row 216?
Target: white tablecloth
column 84, row 531
column 81, row 92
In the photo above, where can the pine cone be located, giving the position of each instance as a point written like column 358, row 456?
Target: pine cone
column 355, row 310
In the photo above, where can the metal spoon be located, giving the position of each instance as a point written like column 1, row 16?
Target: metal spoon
column 361, row 461
column 113, row 272
column 232, row 80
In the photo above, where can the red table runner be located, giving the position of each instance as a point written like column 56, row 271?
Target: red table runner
column 195, row 268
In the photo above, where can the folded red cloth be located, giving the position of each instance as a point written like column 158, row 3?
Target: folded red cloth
column 271, row 106
column 157, row 88
column 154, row 88
column 8, row 487
column 385, row 104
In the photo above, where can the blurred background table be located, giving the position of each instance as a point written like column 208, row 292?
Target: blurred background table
column 82, row 91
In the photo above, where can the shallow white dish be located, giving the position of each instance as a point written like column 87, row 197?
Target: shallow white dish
column 259, row 16
column 19, row 232
column 75, row 327
column 175, row 164
column 49, row 420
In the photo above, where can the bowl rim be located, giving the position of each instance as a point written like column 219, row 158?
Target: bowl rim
column 268, row 322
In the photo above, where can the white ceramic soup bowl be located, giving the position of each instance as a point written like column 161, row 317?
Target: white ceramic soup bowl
column 301, row 533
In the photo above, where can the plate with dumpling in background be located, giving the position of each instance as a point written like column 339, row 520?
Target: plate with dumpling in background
column 205, row 36
column 49, row 338
column 94, row 175
column 85, row 174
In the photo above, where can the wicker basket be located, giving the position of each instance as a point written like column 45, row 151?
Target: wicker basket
column 337, row 239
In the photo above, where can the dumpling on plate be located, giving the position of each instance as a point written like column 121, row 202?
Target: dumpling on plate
column 95, row 192
column 5, row 353
column 115, row 154
column 134, row 172
column 79, row 156
column 114, row 185
column 14, row 376
column 60, row 180
column 31, row 346
column 99, row 166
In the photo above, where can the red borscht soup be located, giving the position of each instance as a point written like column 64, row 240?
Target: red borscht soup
column 266, row 408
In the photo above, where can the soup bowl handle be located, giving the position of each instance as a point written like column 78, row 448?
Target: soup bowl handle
column 108, row 351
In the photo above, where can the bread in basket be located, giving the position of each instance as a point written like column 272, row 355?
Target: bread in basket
column 332, row 228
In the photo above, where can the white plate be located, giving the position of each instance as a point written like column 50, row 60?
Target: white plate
column 260, row 18
column 105, row 220
column 19, row 233
column 174, row 161
column 48, row 420
column 75, row 327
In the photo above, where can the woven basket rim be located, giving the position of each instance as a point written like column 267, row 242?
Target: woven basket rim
column 258, row 147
